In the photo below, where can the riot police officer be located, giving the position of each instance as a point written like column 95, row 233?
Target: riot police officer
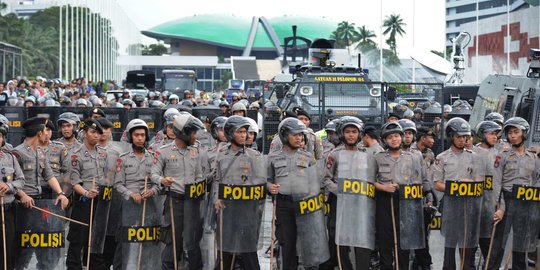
column 303, row 116
column 135, row 187
column 488, row 132
column 69, row 123
column 353, row 220
column 12, row 181
column 40, row 183
column 239, row 169
column 518, row 169
column 4, row 123
column 401, row 183
column 293, row 179
column 370, row 140
column 57, row 154
column 178, row 167
column 166, row 135
column 455, row 170
column 88, row 169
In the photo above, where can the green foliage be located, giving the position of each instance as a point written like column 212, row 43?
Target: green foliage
column 345, row 34
column 394, row 26
column 39, row 36
column 154, row 49
column 226, row 75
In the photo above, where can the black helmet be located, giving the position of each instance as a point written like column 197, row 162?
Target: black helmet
column 135, row 124
column 517, row 122
column 457, row 126
column 418, row 110
column 290, row 126
column 232, row 124
column 486, row 126
column 68, row 117
column 391, row 128
column 495, row 117
column 331, row 126
column 219, row 122
column 346, row 121
column 4, row 125
column 184, row 124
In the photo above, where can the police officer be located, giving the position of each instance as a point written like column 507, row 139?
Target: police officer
column 237, row 165
column 370, row 140
column 423, row 143
column 57, row 155
column 68, row 123
column 313, row 141
column 40, row 182
column 239, row 109
column 459, row 167
column 331, row 140
column 4, row 123
column 177, row 167
column 253, row 131
column 518, row 169
column 12, row 180
column 399, row 170
column 289, row 178
column 339, row 165
column 88, row 168
column 488, row 132
column 133, row 171
column 203, row 136
column 166, row 135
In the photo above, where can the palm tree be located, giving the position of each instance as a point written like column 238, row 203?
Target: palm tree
column 394, row 25
column 345, row 34
column 365, row 37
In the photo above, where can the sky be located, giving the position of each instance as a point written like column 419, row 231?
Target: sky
column 425, row 22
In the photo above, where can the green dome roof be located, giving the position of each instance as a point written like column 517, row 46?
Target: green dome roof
column 232, row 31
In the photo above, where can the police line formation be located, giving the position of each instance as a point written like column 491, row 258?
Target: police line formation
column 339, row 202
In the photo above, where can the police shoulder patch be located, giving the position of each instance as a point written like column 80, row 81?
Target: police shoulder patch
column 329, row 161
column 437, row 161
column 118, row 165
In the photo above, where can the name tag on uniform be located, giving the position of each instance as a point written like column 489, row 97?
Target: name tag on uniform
column 356, row 187
column 411, row 192
column 195, row 190
column 526, row 193
column 310, row 205
column 241, row 192
column 464, row 189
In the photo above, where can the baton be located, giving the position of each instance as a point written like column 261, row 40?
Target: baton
column 3, row 232
column 59, row 216
column 142, row 222
column 90, row 227
column 221, row 239
column 394, row 229
column 173, row 229
column 273, row 230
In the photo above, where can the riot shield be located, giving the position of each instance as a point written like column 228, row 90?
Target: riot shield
column 311, row 238
column 140, row 239
column 461, row 214
column 355, row 212
column 243, row 192
column 193, row 219
column 100, row 220
column 40, row 236
column 411, row 213
column 523, row 217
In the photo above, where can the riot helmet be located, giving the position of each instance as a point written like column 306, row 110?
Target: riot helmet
column 218, row 122
column 232, row 124
column 184, row 124
column 290, row 126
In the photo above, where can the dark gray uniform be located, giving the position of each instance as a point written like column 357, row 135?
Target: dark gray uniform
column 12, row 175
column 76, row 144
column 87, row 166
column 185, row 166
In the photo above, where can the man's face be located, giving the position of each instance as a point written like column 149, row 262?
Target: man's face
column 418, row 116
column 459, row 141
column 127, row 106
column 409, row 137
column 174, row 101
column 223, row 109
column 428, row 141
column 515, row 136
column 393, row 140
column 192, row 137
column 351, row 135
column 492, row 137
column 1, row 87
column 29, row 104
column 45, row 135
column 221, row 135
column 169, row 131
column 304, row 120
column 392, row 119
column 92, row 136
column 250, row 138
column 138, row 137
column 296, row 140
column 239, row 113
column 67, row 130
column 240, row 136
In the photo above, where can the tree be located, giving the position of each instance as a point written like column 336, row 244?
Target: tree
column 2, row 6
column 154, row 49
column 365, row 37
column 394, row 26
column 345, row 34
